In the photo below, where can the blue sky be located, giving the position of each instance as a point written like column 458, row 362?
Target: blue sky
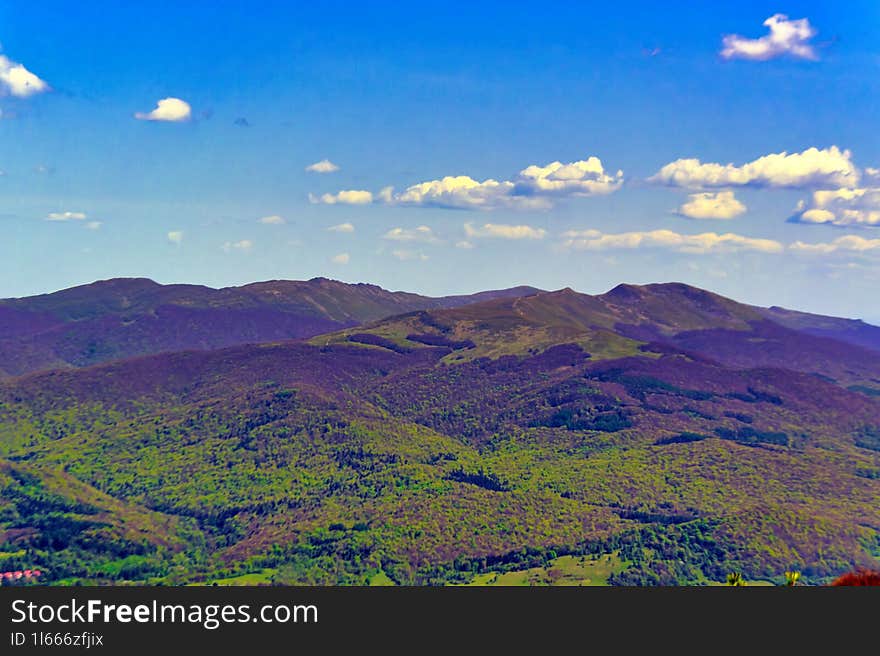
column 747, row 163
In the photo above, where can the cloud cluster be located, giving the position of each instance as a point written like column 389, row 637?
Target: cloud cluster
column 841, row 207
column 18, row 81
column 848, row 243
column 342, row 227
column 708, row 205
column 461, row 192
column 502, row 231
column 582, row 178
column 422, row 234
column 707, row 242
column 172, row 110
column 66, row 216
column 345, row 197
column 535, row 187
column 711, row 242
column 812, row 168
column 785, row 37
column 324, row 166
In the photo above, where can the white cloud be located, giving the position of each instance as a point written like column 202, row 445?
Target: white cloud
column 406, row 255
column 341, row 258
column 342, row 227
column 841, row 207
column 707, row 242
column 847, row 243
column 244, row 246
column 503, row 231
column 66, row 216
column 828, row 167
column 18, row 81
column 345, row 197
column 720, row 205
column 582, row 178
column 460, row 192
column 274, row 219
column 168, row 109
column 533, row 188
column 175, row 237
column 465, row 244
column 94, row 225
column 421, row 234
column 324, row 166
column 816, row 216
column 786, row 37
column 872, row 174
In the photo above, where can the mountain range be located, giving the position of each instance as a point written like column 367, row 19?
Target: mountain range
column 124, row 317
column 321, row 432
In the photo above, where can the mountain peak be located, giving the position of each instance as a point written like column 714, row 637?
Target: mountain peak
column 624, row 292
column 97, row 288
column 118, row 284
column 677, row 288
column 628, row 293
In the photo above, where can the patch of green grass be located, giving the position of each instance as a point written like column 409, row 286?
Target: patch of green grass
column 606, row 345
column 381, row 579
column 565, row 570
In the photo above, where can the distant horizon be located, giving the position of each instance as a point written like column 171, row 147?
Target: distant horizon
column 429, row 295
column 730, row 146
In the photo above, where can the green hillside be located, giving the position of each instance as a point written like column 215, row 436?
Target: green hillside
column 379, row 455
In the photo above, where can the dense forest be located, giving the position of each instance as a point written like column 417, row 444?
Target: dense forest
column 452, row 445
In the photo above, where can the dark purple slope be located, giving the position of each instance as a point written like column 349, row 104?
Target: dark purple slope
column 126, row 317
column 853, row 331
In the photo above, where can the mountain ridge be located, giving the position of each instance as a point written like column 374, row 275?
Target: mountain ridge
column 626, row 321
column 124, row 317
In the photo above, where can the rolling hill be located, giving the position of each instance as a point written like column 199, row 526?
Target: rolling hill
column 621, row 322
column 125, row 317
column 440, row 444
